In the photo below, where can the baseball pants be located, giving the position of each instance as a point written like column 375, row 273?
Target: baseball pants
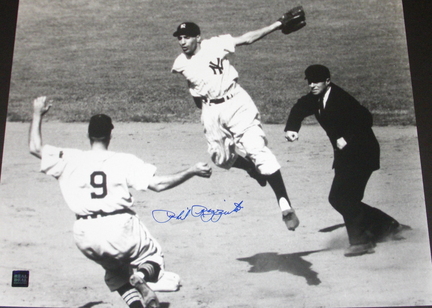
column 234, row 127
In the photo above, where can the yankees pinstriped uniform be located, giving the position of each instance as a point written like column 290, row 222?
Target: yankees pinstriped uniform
column 95, row 186
column 230, row 118
column 231, row 121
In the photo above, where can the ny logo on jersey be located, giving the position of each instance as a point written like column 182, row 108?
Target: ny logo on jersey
column 217, row 67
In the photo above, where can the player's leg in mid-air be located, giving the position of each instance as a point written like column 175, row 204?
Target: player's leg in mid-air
column 261, row 164
column 236, row 128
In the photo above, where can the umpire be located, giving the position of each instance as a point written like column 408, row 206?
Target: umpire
column 356, row 155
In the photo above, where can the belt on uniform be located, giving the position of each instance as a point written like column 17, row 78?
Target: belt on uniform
column 102, row 214
column 221, row 100
column 232, row 88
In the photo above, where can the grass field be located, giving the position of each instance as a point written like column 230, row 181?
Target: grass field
column 115, row 56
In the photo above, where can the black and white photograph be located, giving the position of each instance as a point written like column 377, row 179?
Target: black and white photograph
column 215, row 154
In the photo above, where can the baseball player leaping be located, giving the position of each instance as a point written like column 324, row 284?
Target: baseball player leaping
column 95, row 185
column 230, row 118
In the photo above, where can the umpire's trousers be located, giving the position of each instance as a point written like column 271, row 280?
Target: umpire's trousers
column 363, row 222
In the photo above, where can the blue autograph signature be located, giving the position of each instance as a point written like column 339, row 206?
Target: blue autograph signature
column 206, row 214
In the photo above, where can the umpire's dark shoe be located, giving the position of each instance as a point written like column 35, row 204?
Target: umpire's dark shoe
column 359, row 249
column 394, row 232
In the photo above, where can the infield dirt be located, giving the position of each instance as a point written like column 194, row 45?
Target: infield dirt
column 247, row 258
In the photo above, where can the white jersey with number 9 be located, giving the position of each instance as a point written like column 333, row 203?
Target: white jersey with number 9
column 95, row 181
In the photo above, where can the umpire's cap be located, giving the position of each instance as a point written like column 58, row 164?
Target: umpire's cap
column 317, row 73
column 100, row 126
column 187, row 28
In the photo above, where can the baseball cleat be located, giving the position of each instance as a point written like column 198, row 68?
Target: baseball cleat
column 290, row 219
column 149, row 297
column 359, row 249
column 288, row 215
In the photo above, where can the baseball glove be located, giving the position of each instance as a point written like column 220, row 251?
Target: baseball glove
column 293, row 20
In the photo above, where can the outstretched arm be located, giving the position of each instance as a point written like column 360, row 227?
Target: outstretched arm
column 291, row 21
column 161, row 183
column 35, row 135
column 253, row 36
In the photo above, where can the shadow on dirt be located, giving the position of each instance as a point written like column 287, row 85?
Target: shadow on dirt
column 292, row 263
column 332, row 228
column 91, row 304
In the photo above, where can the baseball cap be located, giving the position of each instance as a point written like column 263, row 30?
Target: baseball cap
column 100, row 126
column 317, row 72
column 187, row 28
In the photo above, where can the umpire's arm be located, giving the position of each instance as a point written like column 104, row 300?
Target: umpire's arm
column 302, row 109
column 35, row 135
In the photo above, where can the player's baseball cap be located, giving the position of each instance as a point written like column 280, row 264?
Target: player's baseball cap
column 317, row 73
column 187, row 28
column 100, row 126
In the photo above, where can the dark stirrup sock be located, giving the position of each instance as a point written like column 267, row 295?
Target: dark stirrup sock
column 248, row 165
column 150, row 270
column 131, row 296
column 243, row 163
column 277, row 184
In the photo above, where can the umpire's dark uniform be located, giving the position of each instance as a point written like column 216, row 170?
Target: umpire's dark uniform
column 343, row 116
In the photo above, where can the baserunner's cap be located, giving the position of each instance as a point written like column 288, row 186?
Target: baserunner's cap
column 187, row 28
column 100, row 126
column 317, row 73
